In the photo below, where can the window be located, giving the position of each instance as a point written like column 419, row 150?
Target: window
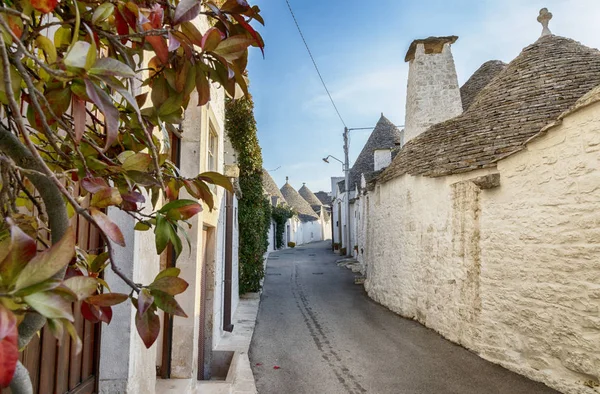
column 213, row 144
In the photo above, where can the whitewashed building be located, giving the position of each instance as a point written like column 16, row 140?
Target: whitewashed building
column 306, row 225
column 186, row 352
column 485, row 225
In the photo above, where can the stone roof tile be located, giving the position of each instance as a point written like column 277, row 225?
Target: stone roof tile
column 270, row 186
column 479, row 80
column 299, row 204
column 547, row 78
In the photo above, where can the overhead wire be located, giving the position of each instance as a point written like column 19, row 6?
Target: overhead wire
column 314, row 62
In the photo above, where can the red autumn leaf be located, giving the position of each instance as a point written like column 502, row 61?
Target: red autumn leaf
column 145, row 300
column 148, row 327
column 22, row 250
column 211, row 39
column 104, row 103
column 15, row 25
column 121, row 24
column 94, row 185
column 276, row 367
column 259, row 41
column 44, row 6
column 156, row 16
column 9, row 352
column 90, row 313
column 111, row 230
column 259, row 364
column 106, row 314
column 159, row 44
column 107, row 299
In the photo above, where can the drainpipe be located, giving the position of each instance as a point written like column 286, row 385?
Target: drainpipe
column 227, row 326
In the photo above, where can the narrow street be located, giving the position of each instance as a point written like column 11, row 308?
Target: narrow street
column 317, row 332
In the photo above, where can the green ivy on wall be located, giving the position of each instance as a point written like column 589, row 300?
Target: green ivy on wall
column 280, row 215
column 254, row 210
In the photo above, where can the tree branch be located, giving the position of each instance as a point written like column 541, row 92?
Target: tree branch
column 21, row 382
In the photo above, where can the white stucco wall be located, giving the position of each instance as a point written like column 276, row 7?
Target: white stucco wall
column 433, row 93
column 382, row 158
column 510, row 272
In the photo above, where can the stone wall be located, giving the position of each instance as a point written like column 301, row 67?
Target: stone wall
column 511, row 271
column 432, row 94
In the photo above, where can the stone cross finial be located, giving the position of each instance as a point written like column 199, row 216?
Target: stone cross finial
column 544, row 19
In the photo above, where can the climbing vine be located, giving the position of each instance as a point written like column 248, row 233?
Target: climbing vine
column 254, row 210
column 280, row 215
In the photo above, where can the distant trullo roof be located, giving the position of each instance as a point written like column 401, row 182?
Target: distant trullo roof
column 270, row 186
column 324, row 198
column 310, row 198
column 479, row 80
column 547, row 78
column 385, row 135
column 299, row 204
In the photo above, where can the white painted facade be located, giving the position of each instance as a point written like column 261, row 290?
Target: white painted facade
column 510, row 272
column 126, row 366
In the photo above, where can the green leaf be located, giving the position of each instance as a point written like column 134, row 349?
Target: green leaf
column 211, row 39
column 145, row 300
column 82, row 286
column 107, row 299
column 137, row 162
column 77, row 56
column 192, row 33
column 112, row 67
column 46, row 45
column 171, row 105
column 106, row 198
column 99, row 263
column 216, row 179
column 233, row 47
column 142, row 226
column 177, row 208
column 162, row 233
column 107, row 226
column 167, row 303
column 74, row 337
column 202, row 86
column 50, row 305
column 46, row 264
column 148, row 327
column 169, row 272
column 170, row 285
column 102, row 13
column 50, row 284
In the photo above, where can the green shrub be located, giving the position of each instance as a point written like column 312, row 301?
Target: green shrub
column 254, row 210
column 280, row 215
column 343, row 251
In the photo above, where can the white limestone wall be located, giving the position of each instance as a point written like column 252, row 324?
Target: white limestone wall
column 432, row 94
column 382, row 158
column 511, row 272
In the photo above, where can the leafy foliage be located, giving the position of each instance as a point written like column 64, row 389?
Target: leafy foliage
column 281, row 214
column 254, row 210
column 92, row 91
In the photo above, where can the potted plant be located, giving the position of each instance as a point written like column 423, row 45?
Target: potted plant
column 336, row 246
column 292, row 244
column 343, row 251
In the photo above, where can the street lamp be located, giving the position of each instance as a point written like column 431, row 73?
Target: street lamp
column 326, row 160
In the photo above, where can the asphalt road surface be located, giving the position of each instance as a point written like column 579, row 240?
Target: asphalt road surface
column 319, row 333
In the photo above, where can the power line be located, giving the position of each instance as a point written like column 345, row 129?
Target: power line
column 314, row 62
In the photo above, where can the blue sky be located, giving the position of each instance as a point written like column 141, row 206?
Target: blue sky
column 359, row 47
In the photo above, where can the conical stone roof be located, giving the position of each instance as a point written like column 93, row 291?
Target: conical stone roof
column 547, row 78
column 299, row 204
column 271, row 187
column 479, row 80
column 385, row 135
column 310, row 198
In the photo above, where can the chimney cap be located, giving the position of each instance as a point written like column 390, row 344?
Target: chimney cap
column 432, row 45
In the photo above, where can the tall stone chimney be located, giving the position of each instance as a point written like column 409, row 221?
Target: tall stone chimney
column 433, row 94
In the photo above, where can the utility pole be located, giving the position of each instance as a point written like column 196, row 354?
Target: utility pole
column 347, row 182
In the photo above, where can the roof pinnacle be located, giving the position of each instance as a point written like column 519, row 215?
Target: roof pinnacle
column 544, row 19
column 287, row 179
